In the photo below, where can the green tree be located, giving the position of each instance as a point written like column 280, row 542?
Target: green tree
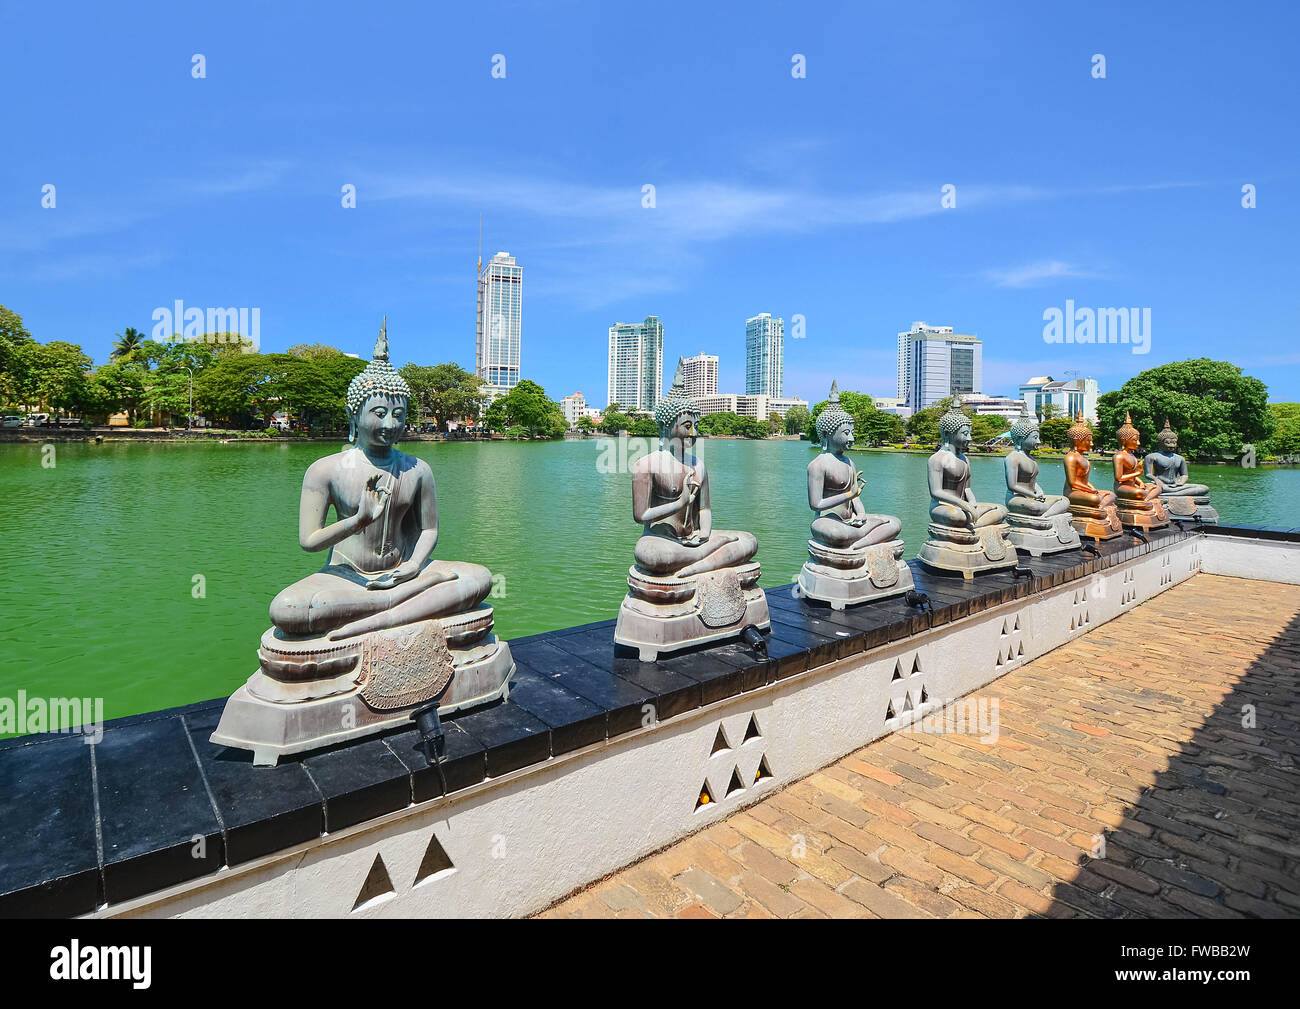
column 987, row 426
column 643, row 427
column 443, row 392
column 128, row 347
column 13, row 335
column 1054, row 432
column 61, row 373
column 1214, row 407
column 1049, row 411
column 1286, row 436
column 615, row 421
column 527, row 406
column 315, row 351
column 586, row 425
column 796, row 419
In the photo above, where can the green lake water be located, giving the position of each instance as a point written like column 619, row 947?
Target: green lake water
column 100, row 552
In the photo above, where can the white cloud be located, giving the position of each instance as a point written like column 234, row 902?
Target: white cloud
column 1030, row 274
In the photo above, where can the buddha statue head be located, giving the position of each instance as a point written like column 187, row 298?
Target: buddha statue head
column 1080, row 434
column 955, row 427
column 1167, row 439
column 677, row 414
column 834, row 425
column 1127, row 435
column 378, row 400
column 1024, row 432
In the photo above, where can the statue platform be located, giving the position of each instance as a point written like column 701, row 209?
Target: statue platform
column 663, row 613
column 966, row 551
column 1188, row 507
column 311, row 692
column 1096, row 523
column 1154, row 517
column 850, row 577
column 1037, row 536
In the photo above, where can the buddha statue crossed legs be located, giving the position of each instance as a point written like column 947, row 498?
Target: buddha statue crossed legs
column 1093, row 510
column 1039, row 522
column 853, row 556
column 691, row 583
column 1168, row 470
column 966, row 535
column 1138, row 501
column 382, row 628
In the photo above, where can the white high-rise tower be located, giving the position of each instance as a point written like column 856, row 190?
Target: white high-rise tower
column 500, row 323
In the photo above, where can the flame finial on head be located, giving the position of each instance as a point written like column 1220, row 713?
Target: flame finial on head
column 676, row 402
column 833, row 417
column 1079, row 430
column 1025, row 423
column 377, row 378
column 1127, row 430
column 950, row 423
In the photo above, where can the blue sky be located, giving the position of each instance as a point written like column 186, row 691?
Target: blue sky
column 817, row 196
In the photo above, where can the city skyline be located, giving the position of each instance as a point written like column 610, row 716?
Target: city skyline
column 698, row 227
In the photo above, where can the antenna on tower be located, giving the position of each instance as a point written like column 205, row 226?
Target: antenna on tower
column 480, row 245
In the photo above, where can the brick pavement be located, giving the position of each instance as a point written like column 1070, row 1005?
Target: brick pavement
column 1127, row 780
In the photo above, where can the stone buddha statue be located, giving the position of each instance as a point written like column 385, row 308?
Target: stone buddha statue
column 1093, row 511
column 691, row 583
column 1168, row 470
column 1039, row 522
column 1138, row 501
column 382, row 628
column 853, row 556
column 966, row 535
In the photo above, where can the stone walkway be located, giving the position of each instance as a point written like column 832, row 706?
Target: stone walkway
column 1147, row 769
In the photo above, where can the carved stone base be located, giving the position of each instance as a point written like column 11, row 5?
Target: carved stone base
column 311, row 692
column 1181, row 506
column 1037, row 536
column 849, row 577
column 968, row 552
column 1096, row 523
column 1153, row 517
column 664, row 613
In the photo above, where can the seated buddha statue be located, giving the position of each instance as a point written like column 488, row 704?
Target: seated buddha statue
column 382, row 627
column 1039, row 522
column 691, row 583
column 966, row 535
column 1093, row 511
column 1138, row 501
column 1168, row 470
column 854, row 556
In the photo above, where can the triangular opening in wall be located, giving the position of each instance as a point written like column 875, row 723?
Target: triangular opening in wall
column 925, row 696
column 1087, row 617
column 1017, row 627
column 763, row 770
column 1004, row 627
column 898, row 672
column 998, row 664
column 907, row 701
column 751, row 730
column 1076, row 598
column 435, row 861
column 1072, row 623
column 720, row 742
column 889, row 711
column 377, row 884
column 916, row 664
column 735, row 784
column 706, row 796
column 1020, row 650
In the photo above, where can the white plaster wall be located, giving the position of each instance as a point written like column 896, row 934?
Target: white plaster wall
column 1263, row 560
column 523, row 841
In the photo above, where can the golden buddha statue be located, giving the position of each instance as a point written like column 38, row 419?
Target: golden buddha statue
column 1094, row 512
column 1138, row 501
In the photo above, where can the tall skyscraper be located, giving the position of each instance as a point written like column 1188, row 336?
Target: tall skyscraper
column 701, row 375
column 934, row 363
column 636, row 363
column 764, row 356
column 500, row 322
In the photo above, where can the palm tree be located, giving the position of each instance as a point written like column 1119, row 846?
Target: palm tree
column 129, row 345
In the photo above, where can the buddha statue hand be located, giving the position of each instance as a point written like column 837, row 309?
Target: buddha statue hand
column 374, row 500
column 404, row 573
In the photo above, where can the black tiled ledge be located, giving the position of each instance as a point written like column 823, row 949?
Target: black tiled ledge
column 155, row 803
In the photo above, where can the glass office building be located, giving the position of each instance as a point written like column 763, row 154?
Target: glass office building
column 636, row 363
column 764, row 356
column 500, row 322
